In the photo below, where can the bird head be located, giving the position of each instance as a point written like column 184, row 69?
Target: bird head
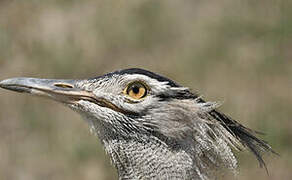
column 136, row 103
column 123, row 102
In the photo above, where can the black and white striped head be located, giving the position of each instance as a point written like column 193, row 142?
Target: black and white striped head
column 129, row 100
column 134, row 90
column 116, row 99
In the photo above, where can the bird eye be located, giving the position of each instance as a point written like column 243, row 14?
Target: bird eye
column 136, row 90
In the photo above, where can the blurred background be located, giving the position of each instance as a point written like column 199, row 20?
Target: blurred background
column 239, row 52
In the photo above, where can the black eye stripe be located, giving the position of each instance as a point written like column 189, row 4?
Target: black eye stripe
column 185, row 94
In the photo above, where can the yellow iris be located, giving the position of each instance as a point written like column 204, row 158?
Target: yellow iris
column 136, row 90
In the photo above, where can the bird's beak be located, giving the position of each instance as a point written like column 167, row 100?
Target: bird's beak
column 60, row 90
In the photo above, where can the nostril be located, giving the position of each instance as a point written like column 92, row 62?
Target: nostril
column 62, row 85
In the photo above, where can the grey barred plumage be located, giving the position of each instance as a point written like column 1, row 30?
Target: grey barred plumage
column 150, row 126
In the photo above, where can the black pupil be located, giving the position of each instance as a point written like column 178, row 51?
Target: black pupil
column 136, row 89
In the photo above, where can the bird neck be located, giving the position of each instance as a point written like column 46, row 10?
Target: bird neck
column 153, row 155
column 147, row 157
column 144, row 156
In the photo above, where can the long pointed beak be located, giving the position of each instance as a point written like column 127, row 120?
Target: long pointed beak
column 61, row 90
column 58, row 89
